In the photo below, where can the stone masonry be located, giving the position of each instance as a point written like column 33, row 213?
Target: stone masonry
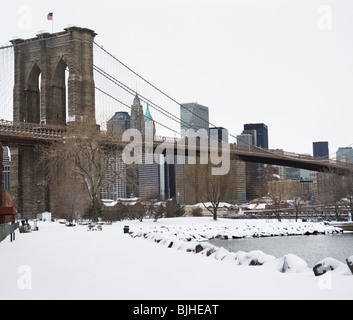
column 44, row 66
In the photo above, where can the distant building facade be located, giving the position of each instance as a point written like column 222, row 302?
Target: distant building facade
column 255, row 134
column 115, row 176
column 120, row 122
column 137, row 120
column 345, row 154
column 194, row 116
column 321, row 149
column 260, row 131
column 245, row 140
column 221, row 133
column 6, row 168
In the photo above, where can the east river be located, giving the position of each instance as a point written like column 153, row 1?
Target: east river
column 311, row 248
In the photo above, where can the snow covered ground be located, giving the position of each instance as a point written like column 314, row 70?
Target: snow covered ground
column 71, row 263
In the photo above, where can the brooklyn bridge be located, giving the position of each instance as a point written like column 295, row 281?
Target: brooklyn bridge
column 57, row 80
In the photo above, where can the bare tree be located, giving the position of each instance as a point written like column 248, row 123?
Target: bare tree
column 331, row 191
column 301, row 194
column 211, row 188
column 136, row 211
column 275, row 203
column 347, row 192
column 117, row 213
column 70, row 200
column 85, row 154
column 154, row 207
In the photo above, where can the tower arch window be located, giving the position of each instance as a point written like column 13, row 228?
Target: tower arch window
column 31, row 111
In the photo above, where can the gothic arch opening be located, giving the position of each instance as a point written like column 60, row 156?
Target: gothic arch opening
column 31, row 111
column 57, row 113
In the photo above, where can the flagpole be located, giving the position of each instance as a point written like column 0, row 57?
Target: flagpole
column 50, row 16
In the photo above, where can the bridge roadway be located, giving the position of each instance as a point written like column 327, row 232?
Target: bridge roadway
column 29, row 135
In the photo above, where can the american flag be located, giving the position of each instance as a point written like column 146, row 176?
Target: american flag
column 50, row 16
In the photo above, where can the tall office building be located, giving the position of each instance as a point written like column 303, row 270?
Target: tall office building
column 320, row 149
column 245, row 140
column 137, row 120
column 194, row 116
column 221, row 133
column 7, row 167
column 256, row 176
column 120, row 122
column 345, row 154
column 116, row 188
column 115, row 177
column 148, row 179
column 261, row 133
column 150, row 124
column 155, row 179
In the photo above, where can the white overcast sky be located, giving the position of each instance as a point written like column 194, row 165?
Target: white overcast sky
column 288, row 64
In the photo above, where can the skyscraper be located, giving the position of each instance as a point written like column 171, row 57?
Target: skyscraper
column 137, row 118
column 256, row 175
column 345, row 154
column 320, row 149
column 194, row 116
column 149, row 173
column 149, row 122
column 245, row 140
column 261, row 133
column 115, row 188
column 155, row 180
column 115, row 179
column 7, row 167
column 221, row 133
column 119, row 122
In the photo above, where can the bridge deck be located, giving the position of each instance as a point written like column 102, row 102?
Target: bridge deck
column 29, row 134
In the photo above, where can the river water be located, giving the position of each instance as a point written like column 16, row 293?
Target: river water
column 312, row 248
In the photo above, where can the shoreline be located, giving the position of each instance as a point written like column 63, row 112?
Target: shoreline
column 196, row 239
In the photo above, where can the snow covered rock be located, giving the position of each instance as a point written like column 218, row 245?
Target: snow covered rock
column 199, row 248
column 187, row 246
column 253, row 258
column 205, row 249
column 220, row 253
column 329, row 264
column 240, row 257
column 349, row 261
column 289, row 263
column 231, row 257
column 293, row 264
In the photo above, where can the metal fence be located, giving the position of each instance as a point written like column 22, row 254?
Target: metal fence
column 8, row 229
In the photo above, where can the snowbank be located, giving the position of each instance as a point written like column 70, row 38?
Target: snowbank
column 200, row 229
column 70, row 263
column 192, row 239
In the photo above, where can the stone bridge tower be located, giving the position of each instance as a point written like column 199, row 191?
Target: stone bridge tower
column 54, row 85
column 49, row 57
